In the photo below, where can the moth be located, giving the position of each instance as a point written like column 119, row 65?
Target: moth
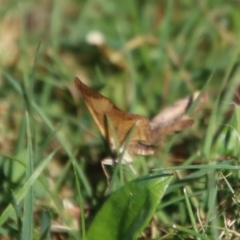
column 141, row 134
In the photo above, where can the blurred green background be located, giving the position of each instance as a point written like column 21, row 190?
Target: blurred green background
column 143, row 55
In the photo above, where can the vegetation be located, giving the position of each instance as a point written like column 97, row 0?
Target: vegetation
column 143, row 55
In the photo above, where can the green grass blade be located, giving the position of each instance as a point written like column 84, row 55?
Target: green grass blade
column 204, row 167
column 22, row 192
column 190, row 232
column 45, row 225
column 17, row 211
column 212, row 200
column 13, row 83
column 27, row 226
column 80, row 199
column 190, row 211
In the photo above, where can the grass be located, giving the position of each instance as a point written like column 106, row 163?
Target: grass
column 153, row 54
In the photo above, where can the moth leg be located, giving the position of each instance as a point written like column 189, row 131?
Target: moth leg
column 104, row 163
column 110, row 161
column 106, row 173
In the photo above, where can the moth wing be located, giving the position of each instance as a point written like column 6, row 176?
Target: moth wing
column 173, row 119
column 101, row 107
column 97, row 104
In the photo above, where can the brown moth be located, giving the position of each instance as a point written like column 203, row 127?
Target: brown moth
column 146, row 133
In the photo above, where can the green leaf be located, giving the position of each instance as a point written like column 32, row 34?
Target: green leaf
column 127, row 211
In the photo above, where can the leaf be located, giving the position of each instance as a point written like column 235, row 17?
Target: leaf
column 127, row 211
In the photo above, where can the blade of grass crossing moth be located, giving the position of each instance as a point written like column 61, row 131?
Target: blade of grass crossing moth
column 190, row 212
column 81, row 204
column 23, row 191
column 114, row 184
column 120, row 156
column 126, row 144
column 114, row 134
column 127, row 141
column 27, row 224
